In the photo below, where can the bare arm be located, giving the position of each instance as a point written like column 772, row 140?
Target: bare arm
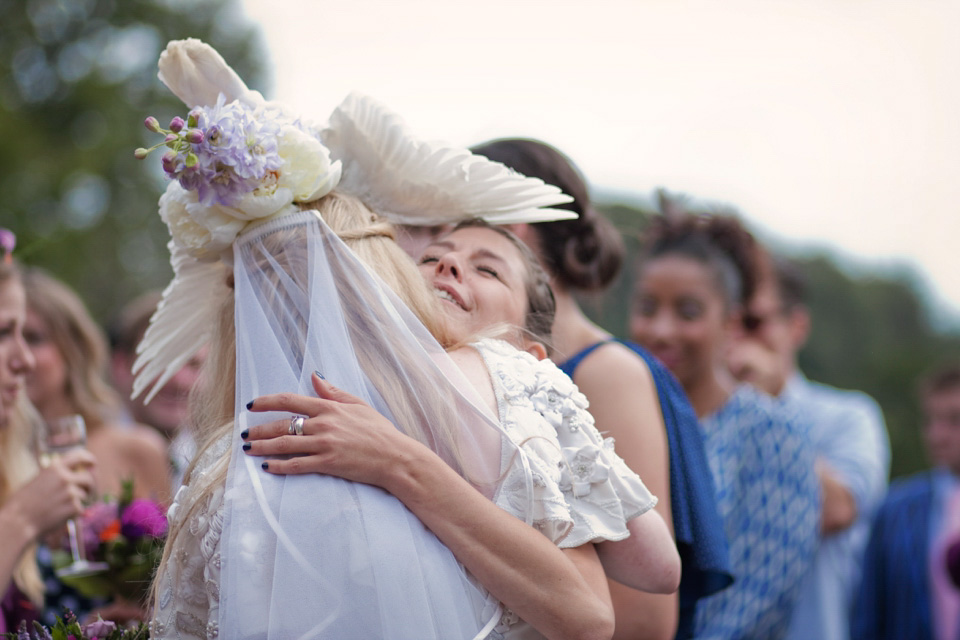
column 624, row 403
column 562, row 594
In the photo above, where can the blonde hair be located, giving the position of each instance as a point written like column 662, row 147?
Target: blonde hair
column 18, row 465
column 81, row 344
column 372, row 241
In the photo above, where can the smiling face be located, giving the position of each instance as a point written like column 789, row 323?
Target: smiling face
column 682, row 317
column 480, row 278
column 15, row 357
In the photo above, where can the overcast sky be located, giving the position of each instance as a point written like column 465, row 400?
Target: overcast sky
column 826, row 122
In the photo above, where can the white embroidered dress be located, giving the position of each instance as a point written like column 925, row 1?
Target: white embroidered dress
column 583, row 491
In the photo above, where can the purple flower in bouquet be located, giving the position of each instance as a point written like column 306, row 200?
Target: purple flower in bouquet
column 143, row 518
column 99, row 629
column 96, row 518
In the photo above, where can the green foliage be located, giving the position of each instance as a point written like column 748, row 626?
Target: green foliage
column 71, row 113
column 873, row 333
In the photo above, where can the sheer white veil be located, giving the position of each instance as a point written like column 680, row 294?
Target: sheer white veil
column 316, row 556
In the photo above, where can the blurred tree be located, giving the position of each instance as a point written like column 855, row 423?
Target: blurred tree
column 872, row 333
column 79, row 77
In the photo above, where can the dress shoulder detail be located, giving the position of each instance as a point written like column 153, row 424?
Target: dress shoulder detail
column 544, row 412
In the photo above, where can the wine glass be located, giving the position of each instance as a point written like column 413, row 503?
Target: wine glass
column 57, row 437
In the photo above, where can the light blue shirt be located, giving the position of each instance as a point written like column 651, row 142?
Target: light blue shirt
column 849, row 435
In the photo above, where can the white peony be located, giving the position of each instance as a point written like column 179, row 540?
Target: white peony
column 307, row 171
column 204, row 232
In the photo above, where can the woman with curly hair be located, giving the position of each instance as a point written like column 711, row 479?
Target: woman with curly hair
column 694, row 276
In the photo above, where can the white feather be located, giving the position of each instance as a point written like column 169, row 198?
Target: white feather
column 415, row 182
column 197, row 74
column 182, row 323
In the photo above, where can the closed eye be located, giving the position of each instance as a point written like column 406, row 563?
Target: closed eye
column 489, row 271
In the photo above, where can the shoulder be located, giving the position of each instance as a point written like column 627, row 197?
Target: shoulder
column 612, row 366
column 846, row 400
column 909, row 489
column 137, row 441
column 472, row 365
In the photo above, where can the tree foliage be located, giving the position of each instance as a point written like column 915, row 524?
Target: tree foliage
column 79, row 78
column 870, row 332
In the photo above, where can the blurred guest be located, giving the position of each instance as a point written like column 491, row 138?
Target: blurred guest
column 632, row 396
column 69, row 378
column 906, row 591
column 849, row 440
column 695, row 275
column 168, row 410
column 32, row 503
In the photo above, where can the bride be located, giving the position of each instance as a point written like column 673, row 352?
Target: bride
column 272, row 259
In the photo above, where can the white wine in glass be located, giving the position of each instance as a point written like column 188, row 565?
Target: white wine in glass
column 57, row 437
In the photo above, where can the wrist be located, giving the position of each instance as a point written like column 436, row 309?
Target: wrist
column 18, row 529
column 408, row 477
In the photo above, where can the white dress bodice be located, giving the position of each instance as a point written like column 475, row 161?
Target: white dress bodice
column 582, row 491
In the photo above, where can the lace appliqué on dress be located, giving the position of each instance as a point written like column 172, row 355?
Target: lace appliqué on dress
column 539, row 404
column 189, row 599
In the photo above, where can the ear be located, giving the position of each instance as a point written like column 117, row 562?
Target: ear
column 799, row 325
column 536, row 349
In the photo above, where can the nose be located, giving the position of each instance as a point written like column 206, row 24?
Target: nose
column 21, row 359
column 449, row 264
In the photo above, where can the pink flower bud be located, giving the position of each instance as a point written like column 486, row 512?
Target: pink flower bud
column 177, row 124
column 152, row 124
column 194, row 136
column 169, row 162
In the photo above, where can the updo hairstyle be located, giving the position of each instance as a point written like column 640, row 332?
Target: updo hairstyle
column 583, row 254
column 718, row 241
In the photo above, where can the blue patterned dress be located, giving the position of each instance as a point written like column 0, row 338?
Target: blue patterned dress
column 769, row 499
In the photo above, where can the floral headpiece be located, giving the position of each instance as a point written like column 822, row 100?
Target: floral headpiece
column 234, row 163
column 237, row 160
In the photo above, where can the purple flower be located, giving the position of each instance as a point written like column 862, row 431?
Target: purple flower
column 96, row 518
column 177, row 124
column 143, row 518
column 8, row 241
column 99, row 629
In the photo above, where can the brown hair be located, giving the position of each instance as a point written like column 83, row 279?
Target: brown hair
column 79, row 340
column 584, row 254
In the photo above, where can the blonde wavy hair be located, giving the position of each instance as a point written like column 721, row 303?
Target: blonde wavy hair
column 17, row 463
column 81, row 343
column 371, row 238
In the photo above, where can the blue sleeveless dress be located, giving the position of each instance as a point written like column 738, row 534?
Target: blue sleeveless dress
column 697, row 526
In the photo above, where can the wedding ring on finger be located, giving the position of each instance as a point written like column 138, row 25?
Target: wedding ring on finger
column 296, row 426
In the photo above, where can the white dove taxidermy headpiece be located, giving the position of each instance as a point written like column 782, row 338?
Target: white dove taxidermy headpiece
column 239, row 160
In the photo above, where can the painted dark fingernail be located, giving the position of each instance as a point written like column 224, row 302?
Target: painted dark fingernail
column 265, row 466
column 319, row 375
column 247, row 445
column 245, row 434
column 250, row 405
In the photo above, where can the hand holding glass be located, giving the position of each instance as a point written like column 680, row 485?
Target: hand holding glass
column 57, row 437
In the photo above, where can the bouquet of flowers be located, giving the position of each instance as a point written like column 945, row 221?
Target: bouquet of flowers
column 125, row 534
column 69, row 628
